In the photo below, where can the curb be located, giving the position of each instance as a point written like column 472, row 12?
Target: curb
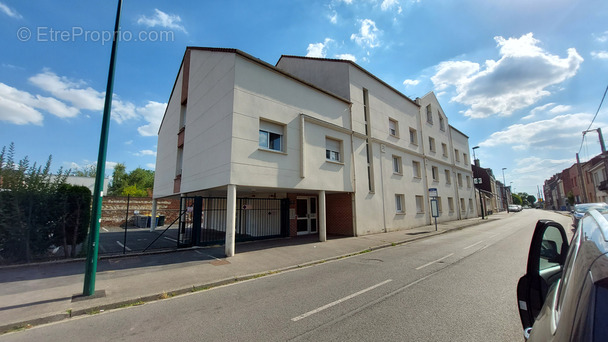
column 51, row 318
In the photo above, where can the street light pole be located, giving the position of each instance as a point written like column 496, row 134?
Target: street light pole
column 504, row 183
column 474, row 159
column 93, row 240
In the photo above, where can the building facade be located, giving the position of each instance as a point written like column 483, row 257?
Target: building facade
column 344, row 151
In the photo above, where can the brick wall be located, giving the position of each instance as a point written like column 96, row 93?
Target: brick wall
column 339, row 215
column 114, row 209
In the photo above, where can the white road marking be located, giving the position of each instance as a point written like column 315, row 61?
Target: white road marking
column 432, row 262
column 105, row 230
column 211, row 256
column 170, row 239
column 123, row 246
column 473, row 245
column 295, row 319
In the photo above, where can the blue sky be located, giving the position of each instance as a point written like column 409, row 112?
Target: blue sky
column 521, row 78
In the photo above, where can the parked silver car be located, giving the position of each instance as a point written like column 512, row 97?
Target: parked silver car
column 580, row 210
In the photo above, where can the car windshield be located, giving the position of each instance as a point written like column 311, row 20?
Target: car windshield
column 583, row 208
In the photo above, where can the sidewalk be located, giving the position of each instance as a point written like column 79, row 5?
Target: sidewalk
column 43, row 293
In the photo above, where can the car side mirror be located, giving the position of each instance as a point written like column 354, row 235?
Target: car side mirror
column 546, row 257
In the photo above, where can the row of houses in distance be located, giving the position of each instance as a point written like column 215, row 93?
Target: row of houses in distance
column 580, row 183
column 333, row 148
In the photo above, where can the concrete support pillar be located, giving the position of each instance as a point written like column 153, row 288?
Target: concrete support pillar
column 153, row 220
column 322, row 217
column 230, row 219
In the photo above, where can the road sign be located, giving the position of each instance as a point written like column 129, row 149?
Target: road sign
column 434, row 208
column 433, row 192
column 477, row 180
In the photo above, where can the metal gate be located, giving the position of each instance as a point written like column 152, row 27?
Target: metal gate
column 256, row 218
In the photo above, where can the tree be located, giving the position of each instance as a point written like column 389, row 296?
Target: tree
column 135, row 183
column 531, row 200
column 87, row 171
column 570, row 197
column 516, row 199
column 72, row 227
column 27, row 201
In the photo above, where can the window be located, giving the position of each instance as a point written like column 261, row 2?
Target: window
column 457, row 155
column 399, row 202
column 429, row 114
column 468, row 181
column 419, row 204
column 441, row 122
column 332, row 149
column 470, row 205
column 462, row 206
column 439, row 206
column 444, row 149
column 182, row 116
column 448, row 179
column 416, row 167
column 413, row 136
column 435, row 172
column 271, row 136
column 451, row 204
column 393, row 128
column 432, row 144
column 396, row 164
column 460, row 180
column 465, row 159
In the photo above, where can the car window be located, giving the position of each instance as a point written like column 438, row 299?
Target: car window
column 600, row 328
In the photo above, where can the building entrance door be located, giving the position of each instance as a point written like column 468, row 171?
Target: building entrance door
column 306, row 212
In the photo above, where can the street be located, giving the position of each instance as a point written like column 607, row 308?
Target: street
column 458, row 287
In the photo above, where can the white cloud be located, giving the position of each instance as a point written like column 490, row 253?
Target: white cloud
column 10, row 12
column 538, row 110
column 389, row 4
column 21, row 108
column 75, row 92
column 411, row 82
column 560, row 109
column 162, row 19
column 602, row 37
column 560, row 131
column 145, row 153
column 368, row 34
column 518, row 79
column 346, row 56
column 153, row 113
column 151, row 166
column 318, row 49
column 599, row 54
column 348, row 2
column 333, row 18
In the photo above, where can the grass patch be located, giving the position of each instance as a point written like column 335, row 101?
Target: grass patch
column 69, row 312
column 128, row 305
column 93, row 311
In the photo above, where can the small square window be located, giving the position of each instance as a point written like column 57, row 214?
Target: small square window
column 393, row 128
column 435, row 172
column 397, row 164
column 271, row 136
column 416, row 169
column 399, row 203
column 419, row 204
column 413, row 136
column 333, row 149
column 432, row 144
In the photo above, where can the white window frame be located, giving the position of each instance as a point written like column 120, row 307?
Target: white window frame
column 271, row 130
column 399, row 203
column 393, row 127
column 416, row 169
column 413, row 136
column 419, row 204
column 397, row 165
column 333, row 150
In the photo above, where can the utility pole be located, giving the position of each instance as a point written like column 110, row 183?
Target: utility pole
column 603, row 147
column 93, row 240
column 504, row 188
column 582, row 178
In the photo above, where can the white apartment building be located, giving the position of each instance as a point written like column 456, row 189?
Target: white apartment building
column 309, row 146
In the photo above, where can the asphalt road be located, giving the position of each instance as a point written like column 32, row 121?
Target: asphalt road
column 452, row 287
